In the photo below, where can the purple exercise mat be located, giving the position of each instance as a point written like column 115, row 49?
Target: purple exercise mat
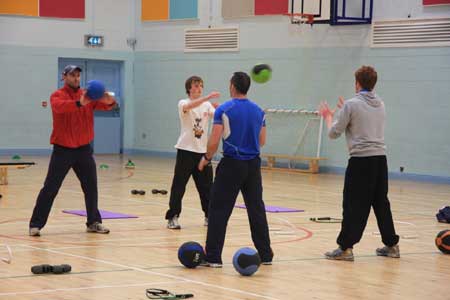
column 105, row 214
column 275, row 209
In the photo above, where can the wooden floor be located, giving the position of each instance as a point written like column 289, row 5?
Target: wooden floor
column 141, row 253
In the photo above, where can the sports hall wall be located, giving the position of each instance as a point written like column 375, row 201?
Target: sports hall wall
column 29, row 52
column 310, row 65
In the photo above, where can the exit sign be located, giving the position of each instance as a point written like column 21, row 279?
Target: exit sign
column 93, row 40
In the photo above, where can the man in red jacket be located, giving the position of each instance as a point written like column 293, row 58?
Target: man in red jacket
column 73, row 131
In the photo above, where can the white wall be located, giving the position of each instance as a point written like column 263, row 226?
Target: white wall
column 118, row 20
column 112, row 18
column 310, row 65
column 29, row 52
column 276, row 31
column 400, row 9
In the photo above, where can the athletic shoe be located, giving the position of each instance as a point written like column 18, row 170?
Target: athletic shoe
column 393, row 251
column 173, row 223
column 339, row 254
column 97, row 227
column 34, row 231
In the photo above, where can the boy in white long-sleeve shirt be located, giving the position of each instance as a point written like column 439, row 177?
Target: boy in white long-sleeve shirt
column 194, row 113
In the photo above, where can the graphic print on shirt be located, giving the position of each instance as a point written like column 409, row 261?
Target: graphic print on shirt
column 198, row 130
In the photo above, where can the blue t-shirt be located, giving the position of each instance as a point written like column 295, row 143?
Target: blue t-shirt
column 242, row 122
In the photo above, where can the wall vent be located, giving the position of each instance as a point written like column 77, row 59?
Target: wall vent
column 211, row 39
column 411, row 33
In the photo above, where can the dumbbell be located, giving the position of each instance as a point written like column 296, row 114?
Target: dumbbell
column 56, row 269
column 320, row 219
column 137, row 192
column 162, row 192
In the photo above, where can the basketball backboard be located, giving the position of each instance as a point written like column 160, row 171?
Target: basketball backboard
column 335, row 12
column 319, row 8
column 351, row 12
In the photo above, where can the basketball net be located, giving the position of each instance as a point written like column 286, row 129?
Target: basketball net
column 299, row 19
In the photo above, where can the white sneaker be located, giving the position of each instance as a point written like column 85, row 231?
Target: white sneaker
column 210, row 265
column 173, row 223
column 34, row 231
column 205, row 223
column 97, row 227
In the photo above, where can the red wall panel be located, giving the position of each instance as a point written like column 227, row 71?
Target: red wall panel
column 435, row 2
column 62, row 8
column 271, row 7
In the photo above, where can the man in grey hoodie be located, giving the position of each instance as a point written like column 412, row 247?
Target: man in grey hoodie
column 362, row 119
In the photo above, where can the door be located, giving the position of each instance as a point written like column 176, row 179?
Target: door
column 107, row 124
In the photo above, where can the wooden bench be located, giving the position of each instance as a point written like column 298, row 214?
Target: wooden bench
column 313, row 162
column 6, row 165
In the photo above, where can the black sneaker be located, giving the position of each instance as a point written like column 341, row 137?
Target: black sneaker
column 267, row 260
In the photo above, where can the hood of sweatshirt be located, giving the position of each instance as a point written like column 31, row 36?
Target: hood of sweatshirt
column 370, row 98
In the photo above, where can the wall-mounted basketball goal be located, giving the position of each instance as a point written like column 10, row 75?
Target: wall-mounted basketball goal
column 333, row 12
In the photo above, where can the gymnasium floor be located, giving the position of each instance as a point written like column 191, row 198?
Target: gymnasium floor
column 141, row 253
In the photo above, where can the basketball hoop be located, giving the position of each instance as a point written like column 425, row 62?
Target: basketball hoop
column 299, row 19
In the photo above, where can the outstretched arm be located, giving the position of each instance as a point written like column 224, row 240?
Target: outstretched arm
column 197, row 102
column 335, row 129
column 327, row 113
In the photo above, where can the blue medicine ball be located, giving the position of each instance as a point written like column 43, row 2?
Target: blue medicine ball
column 246, row 261
column 95, row 89
column 191, row 254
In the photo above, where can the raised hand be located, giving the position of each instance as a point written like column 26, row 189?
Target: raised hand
column 84, row 100
column 340, row 102
column 213, row 95
column 325, row 110
column 107, row 99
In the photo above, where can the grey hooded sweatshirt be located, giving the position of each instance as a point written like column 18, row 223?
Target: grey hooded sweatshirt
column 362, row 118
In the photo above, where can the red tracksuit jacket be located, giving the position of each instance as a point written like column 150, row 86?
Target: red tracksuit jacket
column 73, row 126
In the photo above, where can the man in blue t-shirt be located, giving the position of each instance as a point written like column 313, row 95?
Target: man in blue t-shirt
column 241, row 124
